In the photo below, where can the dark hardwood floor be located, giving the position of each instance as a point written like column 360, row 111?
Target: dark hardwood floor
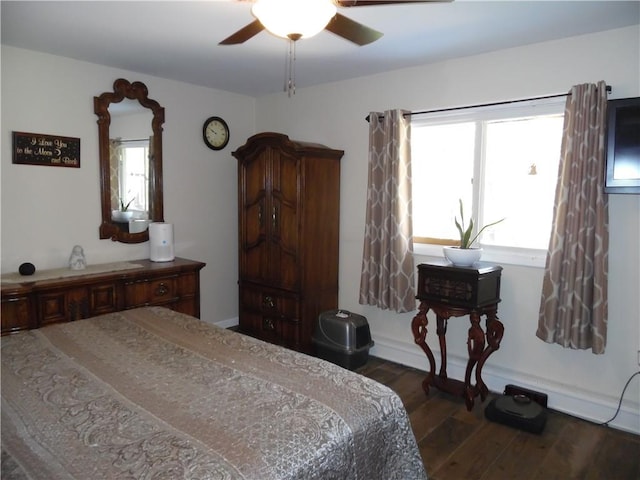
column 456, row 444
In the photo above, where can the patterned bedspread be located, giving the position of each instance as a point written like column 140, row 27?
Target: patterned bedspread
column 155, row 394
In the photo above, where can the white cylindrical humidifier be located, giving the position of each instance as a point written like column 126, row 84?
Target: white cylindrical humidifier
column 161, row 242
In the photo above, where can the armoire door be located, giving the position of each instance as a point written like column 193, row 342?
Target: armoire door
column 269, row 219
column 253, row 213
column 284, row 228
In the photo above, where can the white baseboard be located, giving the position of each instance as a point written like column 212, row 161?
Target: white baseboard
column 231, row 322
column 583, row 404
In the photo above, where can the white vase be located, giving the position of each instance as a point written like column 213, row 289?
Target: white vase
column 462, row 257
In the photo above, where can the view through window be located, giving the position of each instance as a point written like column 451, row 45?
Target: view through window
column 501, row 162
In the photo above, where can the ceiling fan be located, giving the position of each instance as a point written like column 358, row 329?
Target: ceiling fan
column 337, row 23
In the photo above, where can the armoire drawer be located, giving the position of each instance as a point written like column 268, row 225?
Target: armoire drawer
column 270, row 315
column 270, row 302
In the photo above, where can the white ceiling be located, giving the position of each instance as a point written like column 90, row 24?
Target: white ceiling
column 179, row 39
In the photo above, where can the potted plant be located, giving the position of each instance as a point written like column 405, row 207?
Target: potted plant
column 465, row 254
column 124, row 214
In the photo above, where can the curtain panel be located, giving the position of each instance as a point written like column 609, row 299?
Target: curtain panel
column 573, row 306
column 115, row 160
column 387, row 277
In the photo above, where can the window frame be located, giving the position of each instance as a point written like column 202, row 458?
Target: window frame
column 517, row 109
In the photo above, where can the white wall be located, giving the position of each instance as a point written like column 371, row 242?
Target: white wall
column 577, row 381
column 47, row 210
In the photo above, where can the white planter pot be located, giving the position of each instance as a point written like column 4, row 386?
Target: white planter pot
column 462, row 257
column 120, row 216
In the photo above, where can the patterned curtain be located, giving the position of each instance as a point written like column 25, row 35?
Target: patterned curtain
column 387, row 278
column 114, row 171
column 573, row 307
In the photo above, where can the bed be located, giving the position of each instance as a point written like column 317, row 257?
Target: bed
column 151, row 393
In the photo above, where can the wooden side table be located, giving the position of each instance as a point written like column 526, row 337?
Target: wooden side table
column 452, row 291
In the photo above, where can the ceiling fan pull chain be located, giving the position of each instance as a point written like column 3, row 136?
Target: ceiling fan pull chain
column 292, row 90
column 290, row 82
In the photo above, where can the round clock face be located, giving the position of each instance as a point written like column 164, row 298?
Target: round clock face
column 215, row 133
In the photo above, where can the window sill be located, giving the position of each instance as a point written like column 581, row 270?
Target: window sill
column 509, row 255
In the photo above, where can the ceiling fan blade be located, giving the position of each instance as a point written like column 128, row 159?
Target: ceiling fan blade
column 365, row 3
column 352, row 30
column 243, row 34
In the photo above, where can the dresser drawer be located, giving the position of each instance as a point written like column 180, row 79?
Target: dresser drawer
column 65, row 305
column 103, row 299
column 151, row 291
column 53, row 307
column 16, row 313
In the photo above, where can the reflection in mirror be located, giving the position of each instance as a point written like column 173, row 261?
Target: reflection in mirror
column 129, row 179
column 130, row 137
column 130, row 134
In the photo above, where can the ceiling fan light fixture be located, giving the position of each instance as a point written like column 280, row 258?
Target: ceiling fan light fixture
column 302, row 18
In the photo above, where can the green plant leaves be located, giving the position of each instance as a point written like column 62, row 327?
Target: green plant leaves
column 465, row 233
column 124, row 207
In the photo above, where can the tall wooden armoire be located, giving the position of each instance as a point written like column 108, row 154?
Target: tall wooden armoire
column 288, row 208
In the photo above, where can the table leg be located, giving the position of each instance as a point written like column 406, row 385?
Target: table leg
column 419, row 329
column 495, row 330
column 441, row 330
column 475, row 347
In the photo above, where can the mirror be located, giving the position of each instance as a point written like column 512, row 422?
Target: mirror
column 130, row 151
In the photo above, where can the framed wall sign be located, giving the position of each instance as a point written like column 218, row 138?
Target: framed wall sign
column 49, row 150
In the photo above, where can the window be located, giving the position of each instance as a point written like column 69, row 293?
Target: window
column 502, row 162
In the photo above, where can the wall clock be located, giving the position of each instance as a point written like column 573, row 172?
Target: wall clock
column 215, row 133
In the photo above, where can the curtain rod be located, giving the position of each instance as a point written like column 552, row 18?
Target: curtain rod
column 507, row 102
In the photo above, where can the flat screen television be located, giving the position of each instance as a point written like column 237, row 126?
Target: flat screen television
column 622, row 173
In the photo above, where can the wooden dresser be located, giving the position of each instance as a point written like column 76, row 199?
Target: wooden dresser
column 288, row 207
column 175, row 285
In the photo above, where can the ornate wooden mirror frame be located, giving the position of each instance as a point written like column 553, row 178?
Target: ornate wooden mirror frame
column 134, row 91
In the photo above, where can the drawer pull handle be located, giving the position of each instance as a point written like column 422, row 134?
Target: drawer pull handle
column 161, row 290
column 267, row 324
column 268, row 302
